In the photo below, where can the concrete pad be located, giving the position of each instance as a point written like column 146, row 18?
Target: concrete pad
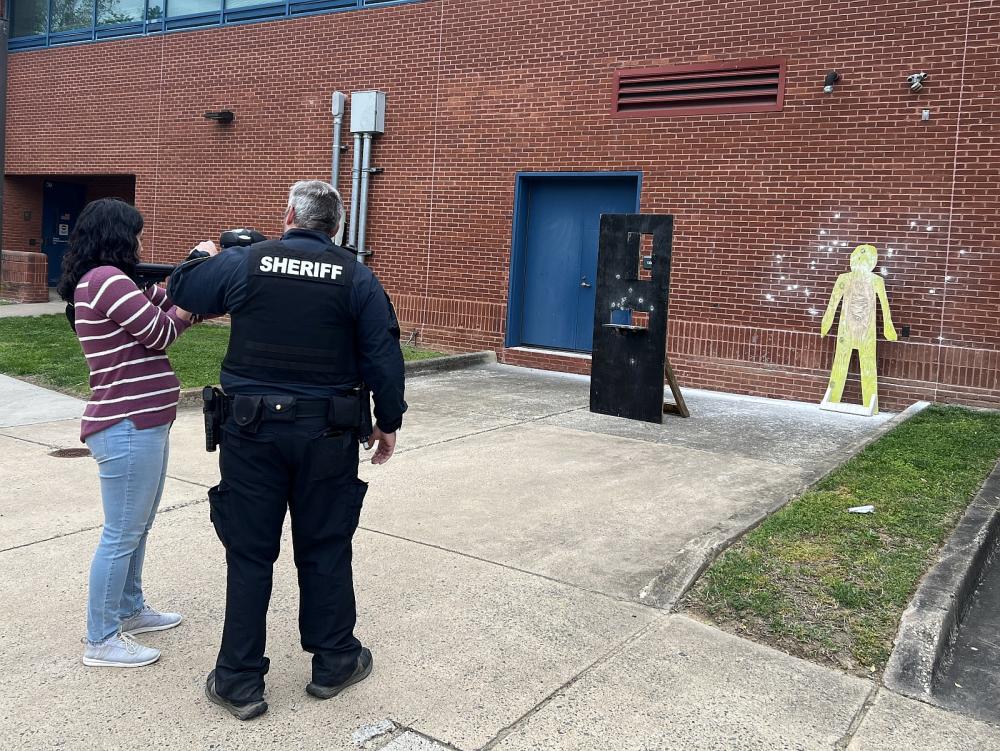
column 189, row 461
column 895, row 723
column 684, row 685
column 431, row 422
column 462, row 648
column 59, row 434
column 43, row 496
column 597, row 511
column 410, row 741
column 23, row 403
column 32, row 309
column 783, row 432
column 424, row 425
column 517, row 394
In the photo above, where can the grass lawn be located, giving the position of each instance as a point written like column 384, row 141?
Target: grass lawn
column 830, row 586
column 44, row 350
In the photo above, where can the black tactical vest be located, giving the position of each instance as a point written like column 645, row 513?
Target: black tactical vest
column 296, row 324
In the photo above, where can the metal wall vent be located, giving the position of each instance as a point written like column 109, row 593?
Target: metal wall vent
column 709, row 88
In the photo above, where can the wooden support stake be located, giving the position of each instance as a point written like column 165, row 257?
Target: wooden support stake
column 679, row 407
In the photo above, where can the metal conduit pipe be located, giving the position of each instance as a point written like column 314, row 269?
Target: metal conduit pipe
column 366, row 159
column 352, row 231
column 338, row 122
column 4, row 30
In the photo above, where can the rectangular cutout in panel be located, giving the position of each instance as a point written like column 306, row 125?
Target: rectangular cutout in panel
column 645, row 257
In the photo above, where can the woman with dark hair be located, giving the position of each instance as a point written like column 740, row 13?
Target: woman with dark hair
column 123, row 331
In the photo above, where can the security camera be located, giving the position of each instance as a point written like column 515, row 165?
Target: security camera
column 916, row 81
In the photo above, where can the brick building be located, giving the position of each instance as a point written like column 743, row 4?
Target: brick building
column 501, row 115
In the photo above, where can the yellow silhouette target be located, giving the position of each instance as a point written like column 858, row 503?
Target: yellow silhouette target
column 858, row 291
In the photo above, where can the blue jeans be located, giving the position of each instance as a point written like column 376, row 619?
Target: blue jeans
column 132, row 464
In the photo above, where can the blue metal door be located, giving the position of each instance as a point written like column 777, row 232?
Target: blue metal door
column 61, row 205
column 559, row 246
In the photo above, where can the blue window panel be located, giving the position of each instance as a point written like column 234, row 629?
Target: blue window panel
column 253, row 12
column 110, row 32
column 69, row 37
column 193, row 22
column 78, row 21
column 120, row 12
column 27, row 43
column 70, row 15
column 29, row 18
column 315, row 6
column 185, row 8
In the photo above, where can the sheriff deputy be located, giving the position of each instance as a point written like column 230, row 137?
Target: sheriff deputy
column 309, row 325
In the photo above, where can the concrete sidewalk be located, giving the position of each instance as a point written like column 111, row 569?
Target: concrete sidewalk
column 24, row 310
column 514, row 568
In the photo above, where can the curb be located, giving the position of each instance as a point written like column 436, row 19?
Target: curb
column 931, row 620
column 191, row 398
column 682, row 572
column 450, row 362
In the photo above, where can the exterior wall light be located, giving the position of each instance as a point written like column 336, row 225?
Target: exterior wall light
column 831, row 80
column 916, row 81
column 223, row 117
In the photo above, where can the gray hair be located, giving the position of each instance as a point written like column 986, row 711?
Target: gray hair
column 317, row 206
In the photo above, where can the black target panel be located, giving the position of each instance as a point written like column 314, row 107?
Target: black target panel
column 630, row 316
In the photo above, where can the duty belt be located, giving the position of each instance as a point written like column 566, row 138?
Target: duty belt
column 248, row 411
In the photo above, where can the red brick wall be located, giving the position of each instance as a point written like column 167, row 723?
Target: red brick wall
column 24, row 277
column 481, row 91
column 22, row 225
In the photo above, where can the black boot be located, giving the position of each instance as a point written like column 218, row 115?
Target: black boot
column 242, row 711
column 361, row 671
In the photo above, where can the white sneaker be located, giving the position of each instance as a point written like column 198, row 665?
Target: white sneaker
column 148, row 619
column 120, row 651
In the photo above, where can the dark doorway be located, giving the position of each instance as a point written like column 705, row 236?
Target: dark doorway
column 61, row 205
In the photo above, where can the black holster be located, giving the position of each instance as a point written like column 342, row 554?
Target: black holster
column 353, row 412
column 213, row 409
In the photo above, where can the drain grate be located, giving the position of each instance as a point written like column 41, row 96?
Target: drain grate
column 69, row 453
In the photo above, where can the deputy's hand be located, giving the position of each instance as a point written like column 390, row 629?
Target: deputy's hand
column 207, row 247
column 386, row 445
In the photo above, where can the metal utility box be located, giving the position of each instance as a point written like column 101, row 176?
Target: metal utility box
column 368, row 112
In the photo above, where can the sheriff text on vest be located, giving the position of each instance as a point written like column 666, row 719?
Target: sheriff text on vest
column 297, row 267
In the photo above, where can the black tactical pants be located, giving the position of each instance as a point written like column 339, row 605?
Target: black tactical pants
column 314, row 472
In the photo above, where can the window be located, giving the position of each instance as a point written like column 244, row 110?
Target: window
column 191, row 7
column 29, row 17
column 120, row 11
column 232, row 4
column 33, row 26
column 71, row 14
column 726, row 87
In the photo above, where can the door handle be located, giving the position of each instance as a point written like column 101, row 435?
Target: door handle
column 584, row 282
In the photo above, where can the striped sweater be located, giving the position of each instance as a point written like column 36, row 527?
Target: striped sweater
column 124, row 332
